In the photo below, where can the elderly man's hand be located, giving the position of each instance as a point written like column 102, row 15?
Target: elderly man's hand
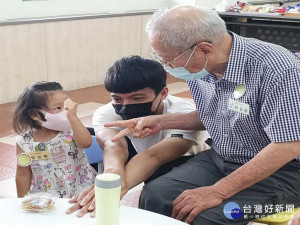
column 85, row 202
column 194, row 201
column 139, row 127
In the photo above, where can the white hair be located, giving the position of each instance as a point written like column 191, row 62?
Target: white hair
column 181, row 30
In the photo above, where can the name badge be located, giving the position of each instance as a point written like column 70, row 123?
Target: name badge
column 239, row 107
column 25, row 159
column 40, row 155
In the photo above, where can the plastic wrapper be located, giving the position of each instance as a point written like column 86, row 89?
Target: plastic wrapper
column 40, row 202
column 238, row 7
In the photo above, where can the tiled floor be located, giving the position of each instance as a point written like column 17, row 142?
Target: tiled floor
column 89, row 100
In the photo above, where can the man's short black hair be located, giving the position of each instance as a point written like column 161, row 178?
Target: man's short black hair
column 134, row 73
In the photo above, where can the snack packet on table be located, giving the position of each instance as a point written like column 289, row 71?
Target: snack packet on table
column 38, row 202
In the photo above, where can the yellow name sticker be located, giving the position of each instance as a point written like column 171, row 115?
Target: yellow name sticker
column 40, row 155
column 239, row 107
column 25, row 159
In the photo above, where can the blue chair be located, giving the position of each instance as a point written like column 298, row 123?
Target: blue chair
column 94, row 153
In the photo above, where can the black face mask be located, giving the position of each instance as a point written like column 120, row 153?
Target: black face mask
column 131, row 111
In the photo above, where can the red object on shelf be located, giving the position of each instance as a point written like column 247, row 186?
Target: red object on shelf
column 279, row 11
column 237, row 7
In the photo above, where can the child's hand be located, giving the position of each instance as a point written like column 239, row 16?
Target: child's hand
column 70, row 107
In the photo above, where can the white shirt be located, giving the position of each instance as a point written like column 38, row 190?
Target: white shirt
column 106, row 113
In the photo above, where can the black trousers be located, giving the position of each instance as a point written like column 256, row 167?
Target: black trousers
column 205, row 169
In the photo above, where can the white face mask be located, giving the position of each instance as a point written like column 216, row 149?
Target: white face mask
column 182, row 73
column 57, row 121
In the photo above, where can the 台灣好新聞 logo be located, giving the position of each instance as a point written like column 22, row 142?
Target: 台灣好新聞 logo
column 232, row 211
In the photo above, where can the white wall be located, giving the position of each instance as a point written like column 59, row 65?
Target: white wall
column 75, row 53
column 17, row 9
column 11, row 9
column 212, row 3
column 203, row 3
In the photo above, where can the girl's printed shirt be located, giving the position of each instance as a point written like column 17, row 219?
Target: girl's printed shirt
column 66, row 172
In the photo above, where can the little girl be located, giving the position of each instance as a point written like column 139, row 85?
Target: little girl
column 52, row 134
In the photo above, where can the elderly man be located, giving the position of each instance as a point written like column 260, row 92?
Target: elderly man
column 247, row 94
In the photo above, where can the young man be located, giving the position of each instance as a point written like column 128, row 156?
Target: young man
column 138, row 88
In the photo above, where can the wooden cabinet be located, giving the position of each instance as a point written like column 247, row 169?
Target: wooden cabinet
column 74, row 52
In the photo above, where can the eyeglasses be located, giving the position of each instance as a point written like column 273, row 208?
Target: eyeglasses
column 168, row 65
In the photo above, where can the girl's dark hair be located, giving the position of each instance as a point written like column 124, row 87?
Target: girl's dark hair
column 33, row 97
column 134, row 73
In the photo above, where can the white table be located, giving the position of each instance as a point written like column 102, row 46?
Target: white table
column 12, row 214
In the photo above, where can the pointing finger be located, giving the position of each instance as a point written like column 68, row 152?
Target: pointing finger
column 121, row 134
column 124, row 123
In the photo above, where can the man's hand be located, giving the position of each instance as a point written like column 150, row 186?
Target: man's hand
column 85, row 202
column 139, row 127
column 194, row 201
